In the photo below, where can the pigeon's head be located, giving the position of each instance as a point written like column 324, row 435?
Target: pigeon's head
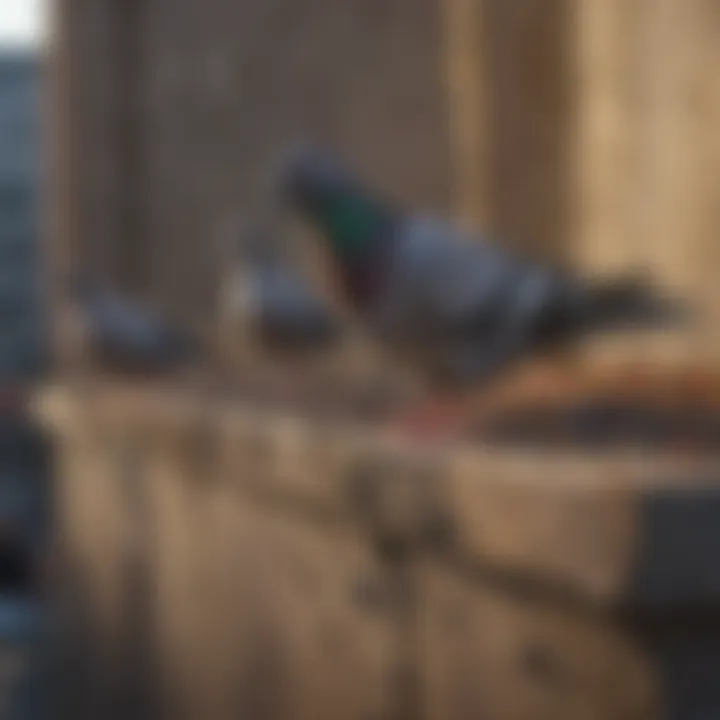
column 351, row 218
column 313, row 181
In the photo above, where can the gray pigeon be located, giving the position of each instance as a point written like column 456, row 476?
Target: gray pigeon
column 280, row 308
column 126, row 338
column 460, row 309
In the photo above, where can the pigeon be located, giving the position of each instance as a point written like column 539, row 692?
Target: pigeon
column 279, row 307
column 459, row 309
column 123, row 337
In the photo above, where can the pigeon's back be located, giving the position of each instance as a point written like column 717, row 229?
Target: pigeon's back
column 456, row 273
column 447, row 299
column 436, row 278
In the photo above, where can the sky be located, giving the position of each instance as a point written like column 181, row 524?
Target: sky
column 21, row 22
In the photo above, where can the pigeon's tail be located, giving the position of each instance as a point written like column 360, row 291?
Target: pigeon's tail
column 632, row 302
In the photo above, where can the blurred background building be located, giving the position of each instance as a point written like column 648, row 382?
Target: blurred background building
column 22, row 351
column 25, row 473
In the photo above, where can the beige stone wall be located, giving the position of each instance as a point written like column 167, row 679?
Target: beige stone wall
column 647, row 154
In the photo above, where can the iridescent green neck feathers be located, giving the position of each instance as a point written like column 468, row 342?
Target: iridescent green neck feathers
column 352, row 224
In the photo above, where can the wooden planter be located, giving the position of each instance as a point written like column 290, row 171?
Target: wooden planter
column 221, row 561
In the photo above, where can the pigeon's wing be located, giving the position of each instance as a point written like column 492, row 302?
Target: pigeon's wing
column 440, row 286
column 428, row 294
column 119, row 328
column 531, row 307
column 452, row 276
column 472, row 283
column 466, row 306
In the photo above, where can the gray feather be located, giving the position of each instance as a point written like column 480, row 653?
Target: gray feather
column 458, row 308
